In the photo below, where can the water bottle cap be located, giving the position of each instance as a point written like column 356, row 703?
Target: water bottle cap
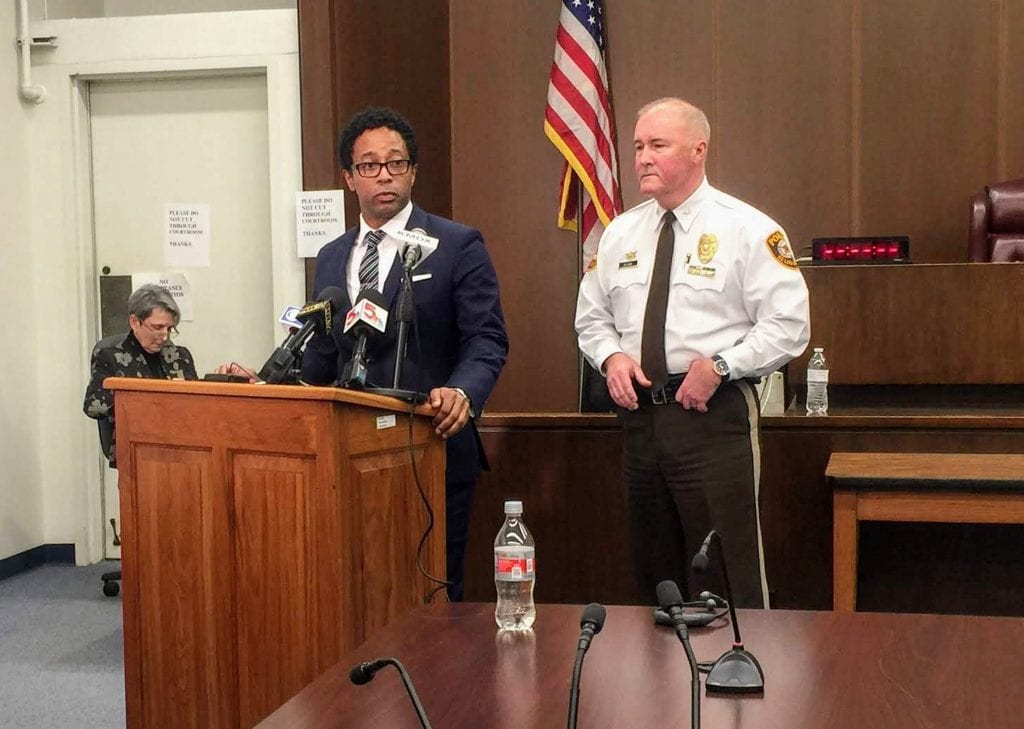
column 513, row 507
column 819, row 349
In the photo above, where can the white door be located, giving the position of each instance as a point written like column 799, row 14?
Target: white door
column 188, row 140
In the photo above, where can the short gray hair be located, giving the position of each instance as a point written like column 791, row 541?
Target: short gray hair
column 696, row 119
column 152, row 296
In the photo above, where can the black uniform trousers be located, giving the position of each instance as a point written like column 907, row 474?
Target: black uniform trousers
column 688, row 472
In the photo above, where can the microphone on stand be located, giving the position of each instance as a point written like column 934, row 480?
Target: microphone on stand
column 671, row 601
column 418, row 245
column 363, row 673
column 590, row 624
column 367, row 318
column 737, row 670
column 314, row 316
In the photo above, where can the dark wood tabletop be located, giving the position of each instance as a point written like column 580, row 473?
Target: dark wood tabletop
column 822, row 670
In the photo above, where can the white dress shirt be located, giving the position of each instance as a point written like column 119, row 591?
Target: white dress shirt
column 387, row 249
column 738, row 295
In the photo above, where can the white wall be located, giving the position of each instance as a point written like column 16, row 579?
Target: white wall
column 50, row 277
column 57, row 9
column 21, row 503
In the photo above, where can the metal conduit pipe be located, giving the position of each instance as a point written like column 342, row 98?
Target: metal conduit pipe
column 34, row 93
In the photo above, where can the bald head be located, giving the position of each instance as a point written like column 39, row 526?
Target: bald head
column 670, row 146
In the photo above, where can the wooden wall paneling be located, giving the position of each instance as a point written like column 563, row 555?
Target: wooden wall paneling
column 1012, row 91
column 567, row 473
column 783, row 118
column 929, row 120
column 398, row 58
column 796, row 519
column 854, row 117
column 505, row 177
column 918, row 324
column 658, row 49
column 797, row 524
column 319, row 88
column 352, row 56
column 566, row 469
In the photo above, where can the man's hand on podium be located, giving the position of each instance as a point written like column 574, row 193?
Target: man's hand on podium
column 452, row 410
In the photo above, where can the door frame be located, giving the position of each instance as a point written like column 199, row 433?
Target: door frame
column 285, row 174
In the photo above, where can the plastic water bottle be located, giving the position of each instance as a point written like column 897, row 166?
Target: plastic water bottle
column 514, row 571
column 817, row 383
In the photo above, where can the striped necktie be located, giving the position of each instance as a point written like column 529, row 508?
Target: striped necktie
column 652, row 342
column 370, row 265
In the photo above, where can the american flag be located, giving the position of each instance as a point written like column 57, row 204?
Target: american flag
column 579, row 122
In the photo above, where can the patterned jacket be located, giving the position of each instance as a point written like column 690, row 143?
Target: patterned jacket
column 122, row 356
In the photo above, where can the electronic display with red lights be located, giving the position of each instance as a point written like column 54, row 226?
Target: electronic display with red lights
column 880, row 249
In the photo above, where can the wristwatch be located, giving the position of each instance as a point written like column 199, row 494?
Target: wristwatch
column 465, row 397
column 721, row 367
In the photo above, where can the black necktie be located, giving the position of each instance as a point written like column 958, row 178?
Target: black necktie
column 652, row 344
column 370, row 264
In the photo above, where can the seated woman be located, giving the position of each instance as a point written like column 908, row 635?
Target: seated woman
column 144, row 351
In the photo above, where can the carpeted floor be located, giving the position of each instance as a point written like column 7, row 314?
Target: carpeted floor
column 61, row 664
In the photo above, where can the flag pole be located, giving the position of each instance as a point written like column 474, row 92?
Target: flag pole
column 581, row 362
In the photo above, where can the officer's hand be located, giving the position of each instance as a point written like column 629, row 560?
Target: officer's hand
column 451, row 411
column 620, row 370
column 698, row 386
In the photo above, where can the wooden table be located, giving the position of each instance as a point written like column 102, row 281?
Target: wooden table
column 952, row 488
column 822, row 670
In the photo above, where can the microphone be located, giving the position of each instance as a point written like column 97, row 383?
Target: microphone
column 363, row 673
column 590, row 624
column 671, row 601
column 418, row 245
column 700, row 560
column 315, row 316
column 367, row 318
column 737, row 670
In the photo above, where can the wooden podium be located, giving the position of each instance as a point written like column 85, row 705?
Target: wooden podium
column 266, row 531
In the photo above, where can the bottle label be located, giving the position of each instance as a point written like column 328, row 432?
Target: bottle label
column 513, row 569
column 817, row 376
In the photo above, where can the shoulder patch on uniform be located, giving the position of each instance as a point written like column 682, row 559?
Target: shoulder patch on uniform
column 780, row 249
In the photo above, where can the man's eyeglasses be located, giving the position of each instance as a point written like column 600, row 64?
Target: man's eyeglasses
column 372, row 169
column 170, row 331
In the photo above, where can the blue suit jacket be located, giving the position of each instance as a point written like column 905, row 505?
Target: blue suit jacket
column 459, row 326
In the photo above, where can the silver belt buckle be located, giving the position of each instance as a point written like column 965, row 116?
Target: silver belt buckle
column 659, row 396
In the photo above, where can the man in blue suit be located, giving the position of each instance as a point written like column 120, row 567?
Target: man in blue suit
column 462, row 343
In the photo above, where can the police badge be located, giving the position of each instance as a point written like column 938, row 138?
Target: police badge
column 707, row 247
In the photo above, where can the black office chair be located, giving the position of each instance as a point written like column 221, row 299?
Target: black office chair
column 111, row 580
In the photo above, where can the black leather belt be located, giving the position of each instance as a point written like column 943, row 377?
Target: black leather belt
column 667, row 394
column 663, row 395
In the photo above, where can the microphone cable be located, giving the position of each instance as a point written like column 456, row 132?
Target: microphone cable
column 437, row 581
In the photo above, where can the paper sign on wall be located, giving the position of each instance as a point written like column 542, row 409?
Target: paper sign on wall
column 319, row 219
column 187, row 239
column 176, row 283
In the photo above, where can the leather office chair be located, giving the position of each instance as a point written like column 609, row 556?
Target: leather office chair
column 111, row 586
column 997, row 224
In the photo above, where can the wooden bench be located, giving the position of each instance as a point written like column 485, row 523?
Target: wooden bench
column 963, row 488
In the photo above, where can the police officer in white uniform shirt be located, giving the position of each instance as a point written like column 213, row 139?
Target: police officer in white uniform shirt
column 693, row 294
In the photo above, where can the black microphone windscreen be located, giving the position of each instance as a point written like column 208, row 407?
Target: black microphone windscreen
column 371, row 295
column 700, row 562
column 336, row 296
column 668, row 594
column 594, row 613
column 361, row 673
